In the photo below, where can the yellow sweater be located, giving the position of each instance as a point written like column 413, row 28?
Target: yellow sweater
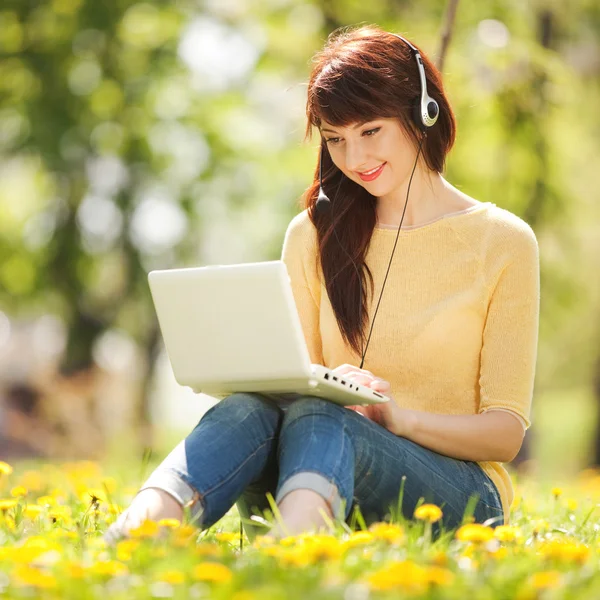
column 457, row 328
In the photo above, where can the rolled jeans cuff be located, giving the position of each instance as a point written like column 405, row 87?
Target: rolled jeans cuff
column 172, row 483
column 317, row 483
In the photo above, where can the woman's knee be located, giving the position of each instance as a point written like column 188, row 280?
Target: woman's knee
column 240, row 406
column 312, row 405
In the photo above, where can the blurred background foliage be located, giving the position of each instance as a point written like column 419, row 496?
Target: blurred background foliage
column 142, row 135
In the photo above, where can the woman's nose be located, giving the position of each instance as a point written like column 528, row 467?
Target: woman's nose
column 355, row 158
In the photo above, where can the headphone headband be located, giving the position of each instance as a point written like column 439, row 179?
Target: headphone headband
column 426, row 111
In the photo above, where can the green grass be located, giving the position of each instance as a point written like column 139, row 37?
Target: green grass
column 51, row 536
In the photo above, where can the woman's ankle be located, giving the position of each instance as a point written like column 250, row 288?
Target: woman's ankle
column 151, row 504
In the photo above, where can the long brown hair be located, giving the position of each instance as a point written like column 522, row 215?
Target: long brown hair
column 360, row 75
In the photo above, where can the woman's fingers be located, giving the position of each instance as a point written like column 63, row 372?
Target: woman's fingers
column 362, row 377
column 346, row 368
column 381, row 385
column 358, row 409
column 357, row 378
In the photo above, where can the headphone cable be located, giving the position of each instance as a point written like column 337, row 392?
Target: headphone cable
column 392, row 256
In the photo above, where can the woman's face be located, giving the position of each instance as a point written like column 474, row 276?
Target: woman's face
column 378, row 155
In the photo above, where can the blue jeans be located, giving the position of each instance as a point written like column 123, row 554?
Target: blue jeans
column 249, row 444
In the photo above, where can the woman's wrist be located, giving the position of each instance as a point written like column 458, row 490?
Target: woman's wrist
column 405, row 422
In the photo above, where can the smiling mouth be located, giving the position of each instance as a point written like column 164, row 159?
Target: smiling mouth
column 372, row 174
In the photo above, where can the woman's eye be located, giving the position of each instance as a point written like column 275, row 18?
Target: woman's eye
column 368, row 133
column 371, row 132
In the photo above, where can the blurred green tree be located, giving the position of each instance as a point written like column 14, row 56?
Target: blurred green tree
column 141, row 135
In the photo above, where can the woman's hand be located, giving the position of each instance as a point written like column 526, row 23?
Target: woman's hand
column 387, row 414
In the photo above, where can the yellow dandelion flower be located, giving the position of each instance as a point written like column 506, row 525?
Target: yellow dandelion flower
column 5, row 468
column 207, row 549
column 289, row 540
column 439, row 558
column 394, row 534
column 261, row 541
column 469, row 550
column 171, row 576
column 18, row 491
column 556, row 492
column 183, row 535
column 41, row 541
column 440, row 576
column 93, row 495
column 126, row 548
column 109, row 568
column 212, row 571
column 323, row 547
column 546, row 580
column 46, row 501
column 169, row 523
column 74, row 569
column 540, row 525
column 406, row 575
column 21, row 555
column 24, row 575
column 358, row 538
column 567, row 551
column 572, row 504
column 60, row 514
column 508, row 533
column 224, row 536
column 296, row 556
column 33, row 510
column 474, row 532
column 147, row 529
column 7, row 503
column 428, row 512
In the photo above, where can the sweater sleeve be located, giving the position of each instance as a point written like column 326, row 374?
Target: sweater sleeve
column 510, row 336
column 299, row 254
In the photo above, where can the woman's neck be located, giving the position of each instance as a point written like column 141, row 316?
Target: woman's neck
column 429, row 199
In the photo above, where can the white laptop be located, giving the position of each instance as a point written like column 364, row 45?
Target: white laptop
column 235, row 328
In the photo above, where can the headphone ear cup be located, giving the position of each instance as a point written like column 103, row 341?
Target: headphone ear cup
column 433, row 110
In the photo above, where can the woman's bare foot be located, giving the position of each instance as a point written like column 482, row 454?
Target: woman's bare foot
column 151, row 504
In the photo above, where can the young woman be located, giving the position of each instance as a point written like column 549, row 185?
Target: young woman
column 432, row 301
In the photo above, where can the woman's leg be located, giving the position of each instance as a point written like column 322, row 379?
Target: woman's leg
column 253, row 500
column 350, row 460
column 227, row 451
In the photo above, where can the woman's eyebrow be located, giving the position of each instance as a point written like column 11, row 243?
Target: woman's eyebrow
column 353, row 127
